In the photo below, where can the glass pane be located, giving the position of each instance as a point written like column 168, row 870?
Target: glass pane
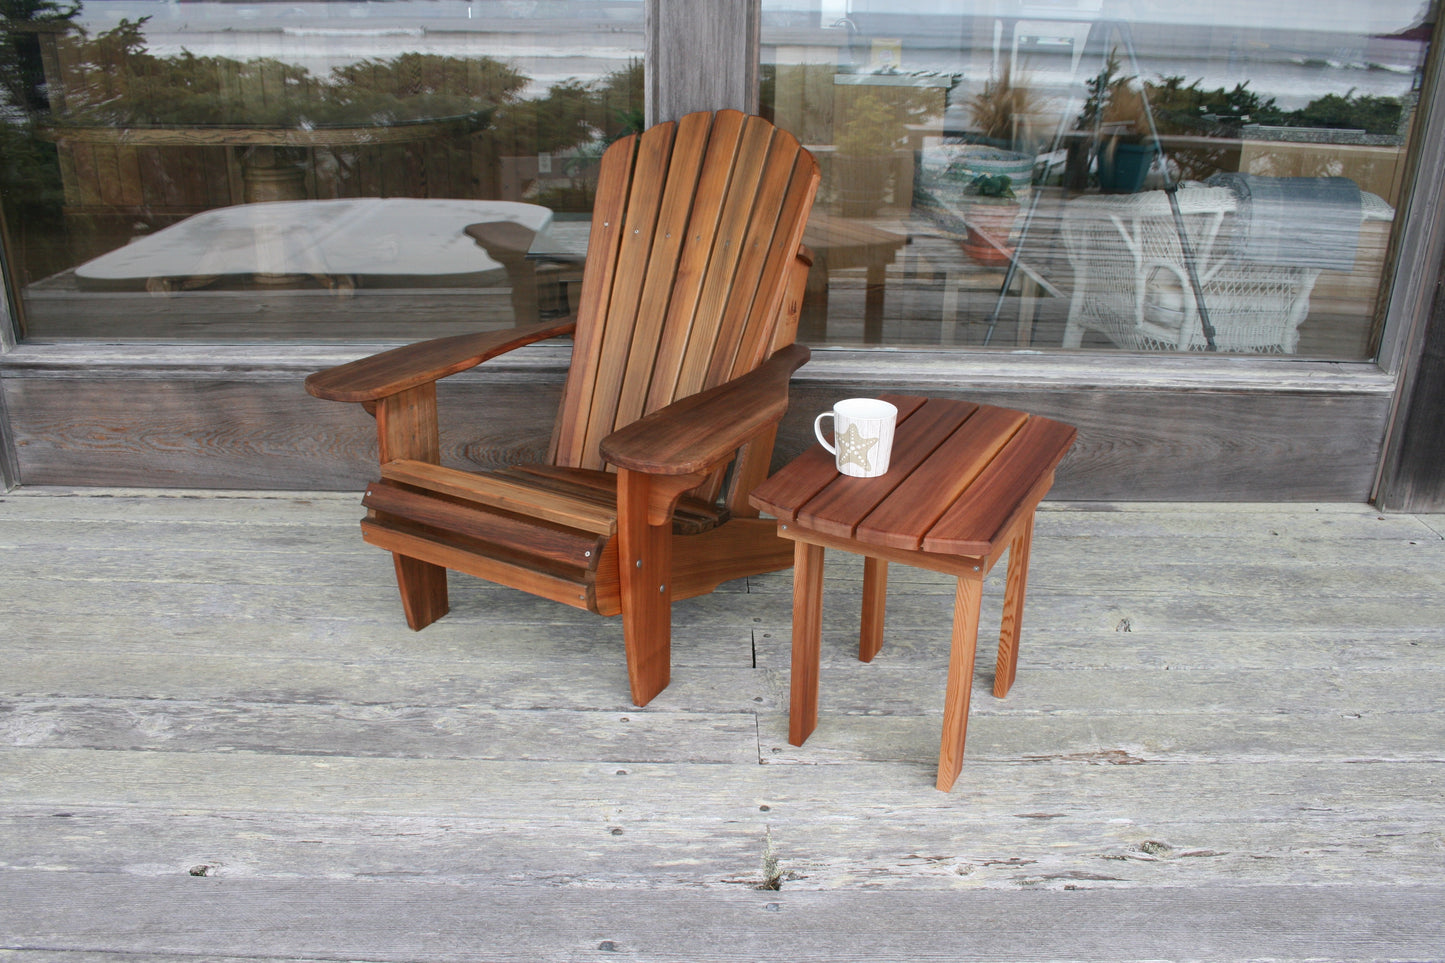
column 1164, row 175
column 318, row 170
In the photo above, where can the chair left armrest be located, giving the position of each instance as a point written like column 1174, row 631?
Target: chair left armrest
column 697, row 433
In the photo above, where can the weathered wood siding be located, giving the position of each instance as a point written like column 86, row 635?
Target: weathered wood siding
column 1188, row 431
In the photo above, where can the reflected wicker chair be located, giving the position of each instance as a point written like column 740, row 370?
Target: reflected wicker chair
column 1132, row 283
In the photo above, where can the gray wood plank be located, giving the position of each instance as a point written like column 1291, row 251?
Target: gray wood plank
column 816, row 847
column 275, row 782
column 1006, row 825
column 1156, row 566
column 462, row 922
column 465, row 732
column 497, row 679
column 400, row 731
column 235, row 433
column 1273, row 679
column 1135, row 738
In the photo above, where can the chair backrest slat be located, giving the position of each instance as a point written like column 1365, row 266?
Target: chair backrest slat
column 759, row 283
column 739, row 209
column 614, row 180
column 695, row 253
column 618, row 322
column 690, row 150
column 694, row 267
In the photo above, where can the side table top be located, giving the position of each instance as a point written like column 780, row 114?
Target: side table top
column 959, row 474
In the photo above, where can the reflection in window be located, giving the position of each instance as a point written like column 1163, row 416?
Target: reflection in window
column 316, row 170
column 1100, row 173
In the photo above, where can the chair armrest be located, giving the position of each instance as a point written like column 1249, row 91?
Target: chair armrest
column 695, row 433
column 375, row 377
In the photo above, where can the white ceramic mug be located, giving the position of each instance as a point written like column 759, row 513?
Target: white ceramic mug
column 863, row 433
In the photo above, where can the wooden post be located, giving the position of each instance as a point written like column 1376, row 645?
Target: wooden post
column 701, row 55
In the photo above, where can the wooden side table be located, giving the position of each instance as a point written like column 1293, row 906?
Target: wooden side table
column 963, row 485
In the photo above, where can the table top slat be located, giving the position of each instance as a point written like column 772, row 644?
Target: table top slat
column 906, row 404
column 845, row 501
column 984, row 512
column 791, row 488
column 921, row 499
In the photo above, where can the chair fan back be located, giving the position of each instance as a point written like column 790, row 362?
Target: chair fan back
column 695, row 225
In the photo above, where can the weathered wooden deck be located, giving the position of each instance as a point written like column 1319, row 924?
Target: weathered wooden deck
column 221, row 742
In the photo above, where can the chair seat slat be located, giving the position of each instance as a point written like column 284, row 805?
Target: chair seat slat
column 519, row 536
column 496, row 491
column 692, row 515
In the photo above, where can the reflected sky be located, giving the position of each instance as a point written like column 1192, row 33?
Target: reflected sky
column 1294, row 50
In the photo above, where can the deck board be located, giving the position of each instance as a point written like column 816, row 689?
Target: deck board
column 352, row 920
column 219, row 739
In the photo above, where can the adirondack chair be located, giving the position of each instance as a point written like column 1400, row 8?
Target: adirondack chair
column 682, row 353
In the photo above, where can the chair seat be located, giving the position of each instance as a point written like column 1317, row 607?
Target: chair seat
column 581, row 498
column 553, row 527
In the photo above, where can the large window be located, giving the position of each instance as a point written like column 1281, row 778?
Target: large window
column 317, row 170
column 1146, row 176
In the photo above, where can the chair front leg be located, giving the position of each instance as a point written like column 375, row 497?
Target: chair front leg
column 644, row 531
column 645, row 559
column 406, row 427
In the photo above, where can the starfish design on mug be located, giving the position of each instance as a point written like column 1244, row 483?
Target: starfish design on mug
column 853, row 449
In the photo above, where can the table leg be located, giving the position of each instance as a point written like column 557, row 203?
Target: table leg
column 875, row 596
column 873, row 292
column 966, row 604
column 1013, row 608
column 1028, row 301
column 507, row 244
column 949, row 333
column 813, row 320
column 807, row 637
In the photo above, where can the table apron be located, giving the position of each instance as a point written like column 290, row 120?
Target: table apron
column 960, row 565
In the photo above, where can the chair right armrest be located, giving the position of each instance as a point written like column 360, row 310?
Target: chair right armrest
column 696, row 432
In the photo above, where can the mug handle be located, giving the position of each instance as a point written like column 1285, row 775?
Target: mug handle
column 818, row 430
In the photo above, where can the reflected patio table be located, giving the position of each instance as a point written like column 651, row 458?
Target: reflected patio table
column 333, row 241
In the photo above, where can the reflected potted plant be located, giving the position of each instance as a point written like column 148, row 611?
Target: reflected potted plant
column 989, row 212
column 1117, row 111
column 866, row 149
column 1003, row 110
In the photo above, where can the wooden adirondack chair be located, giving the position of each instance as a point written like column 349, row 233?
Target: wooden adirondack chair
column 683, row 348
